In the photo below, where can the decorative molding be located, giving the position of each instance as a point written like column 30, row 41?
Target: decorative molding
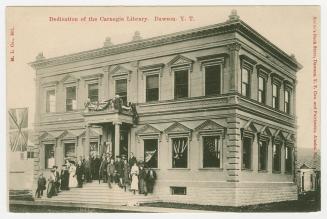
column 178, row 129
column 234, row 47
column 50, row 84
column 247, row 63
column 180, row 62
column 210, row 127
column 146, row 131
column 276, row 79
column 152, row 68
column 215, row 59
column 119, row 70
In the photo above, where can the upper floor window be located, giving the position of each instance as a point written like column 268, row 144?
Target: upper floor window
column 212, row 80
column 287, row 97
column 181, row 84
column 276, row 158
column 179, row 152
column 261, row 90
column 247, row 153
column 71, row 99
column 263, row 155
column 51, row 101
column 275, row 96
column 245, row 82
column 121, row 89
column 151, row 153
column 152, row 87
column 212, row 151
column 93, row 92
column 288, row 159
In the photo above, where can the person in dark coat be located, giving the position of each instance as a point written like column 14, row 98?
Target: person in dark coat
column 119, row 165
column 79, row 174
column 87, row 169
column 142, row 181
column 103, row 169
column 41, row 183
column 97, row 163
column 64, row 177
column 111, row 171
column 51, row 191
column 57, row 179
column 126, row 176
column 151, row 177
column 132, row 160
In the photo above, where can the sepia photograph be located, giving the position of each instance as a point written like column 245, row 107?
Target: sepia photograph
column 163, row 109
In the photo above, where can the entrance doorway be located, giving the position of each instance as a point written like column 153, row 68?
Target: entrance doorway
column 123, row 147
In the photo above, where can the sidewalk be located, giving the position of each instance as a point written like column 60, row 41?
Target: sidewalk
column 138, row 209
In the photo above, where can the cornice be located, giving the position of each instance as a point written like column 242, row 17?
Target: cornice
column 197, row 33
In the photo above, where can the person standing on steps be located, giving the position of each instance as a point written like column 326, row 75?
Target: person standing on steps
column 150, row 180
column 120, row 171
column 79, row 174
column 126, row 180
column 134, row 176
column 64, row 177
column 111, row 169
column 41, row 183
column 142, row 180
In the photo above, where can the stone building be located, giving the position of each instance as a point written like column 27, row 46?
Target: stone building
column 211, row 109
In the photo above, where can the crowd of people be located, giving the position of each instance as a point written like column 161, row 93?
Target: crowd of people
column 127, row 174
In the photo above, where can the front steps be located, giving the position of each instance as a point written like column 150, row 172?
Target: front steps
column 95, row 193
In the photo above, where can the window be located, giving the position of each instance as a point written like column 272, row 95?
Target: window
column 263, row 155
column 181, row 84
column 94, row 148
column 261, row 90
column 288, row 159
column 70, row 150
column 287, row 101
column 93, row 92
column 30, row 154
column 245, row 82
column 151, row 153
column 49, row 155
column 246, row 152
column 71, row 99
column 121, row 89
column 180, row 152
column 275, row 96
column 211, row 151
column 276, row 157
column 51, row 101
column 212, row 80
column 178, row 190
column 152, row 88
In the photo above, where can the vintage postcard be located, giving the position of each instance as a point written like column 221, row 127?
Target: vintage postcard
column 163, row 109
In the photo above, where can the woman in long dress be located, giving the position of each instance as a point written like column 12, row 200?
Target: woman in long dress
column 72, row 176
column 135, row 180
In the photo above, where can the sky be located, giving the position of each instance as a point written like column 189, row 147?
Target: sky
column 288, row 27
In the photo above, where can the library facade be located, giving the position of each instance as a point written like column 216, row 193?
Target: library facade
column 211, row 109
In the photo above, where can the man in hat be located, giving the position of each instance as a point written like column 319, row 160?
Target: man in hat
column 111, row 171
column 41, row 182
column 119, row 166
column 126, row 180
column 132, row 160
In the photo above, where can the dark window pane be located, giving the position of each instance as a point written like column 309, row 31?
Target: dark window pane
column 245, row 82
column 121, row 89
column 212, row 80
column 180, row 152
column 152, row 88
column 93, row 92
column 181, row 84
column 151, row 153
column 276, row 157
column 261, row 90
column 70, row 150
column 263, row 155
column 71, row 99
column 288, row 159
column 178, row 190
column 287, row 102
column 247, row 150
column 211, row 151
column 275, row 103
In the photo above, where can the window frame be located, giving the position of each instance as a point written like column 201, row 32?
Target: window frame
column 277, row 102
column 46, row 100
column 188, row 82
column 205, row 66
column 264, row 91
column 249, row 69
column 66, row 87
column 171, row 137
column 151, row 73
column 65, row 143
column 158, row 151
column 88, row 90
column 260, row 140
column 45, row 145
column 280, row 146
column 288, row 104
column 221, row 145
column 291, row 148
column 250, row 136
column 115, row 87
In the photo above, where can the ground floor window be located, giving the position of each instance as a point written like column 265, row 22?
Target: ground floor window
column 263, row 155
column 246, row 153
column 94, row 148
column 276, row 157
column 151, row 153
column 70, row 150
column 178, row 190
column 179, row 152
column 49, row 155
column 288, row 159
column 211, row 151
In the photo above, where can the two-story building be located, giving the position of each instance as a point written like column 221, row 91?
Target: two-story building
column 213, row 112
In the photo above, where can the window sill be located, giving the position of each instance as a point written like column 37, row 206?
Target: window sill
column 247, row 170
column 288, row 173
column 211, row 168
column 262, row 171
column 276, row 172
column 179, row 169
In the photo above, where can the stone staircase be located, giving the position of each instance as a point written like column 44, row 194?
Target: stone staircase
column 95, row 193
